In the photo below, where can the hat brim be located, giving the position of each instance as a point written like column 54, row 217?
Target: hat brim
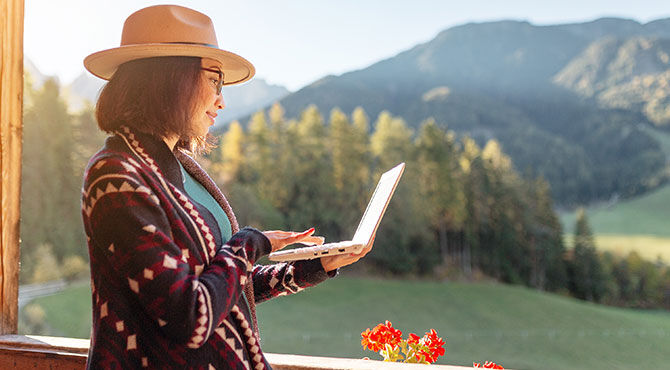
column 104, row 63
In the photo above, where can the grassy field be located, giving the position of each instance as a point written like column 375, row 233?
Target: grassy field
column 650, row 248
column 68, row 313
column 645, row 215
column 514, row 326
column 641, row 224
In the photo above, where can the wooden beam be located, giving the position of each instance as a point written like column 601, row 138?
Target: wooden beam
column 11, row 111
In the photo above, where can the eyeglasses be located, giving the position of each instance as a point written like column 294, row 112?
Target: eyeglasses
column 219, row 82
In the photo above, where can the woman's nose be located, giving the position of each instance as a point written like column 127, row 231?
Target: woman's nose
column 220, row 104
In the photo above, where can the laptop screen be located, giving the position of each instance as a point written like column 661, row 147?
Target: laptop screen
column 377, row 205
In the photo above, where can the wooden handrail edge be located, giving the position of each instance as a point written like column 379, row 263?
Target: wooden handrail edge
column 70, row 348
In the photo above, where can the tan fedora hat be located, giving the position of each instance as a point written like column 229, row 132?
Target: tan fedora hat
column 168, row 30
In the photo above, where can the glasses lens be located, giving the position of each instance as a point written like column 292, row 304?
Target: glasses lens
column 219, row 82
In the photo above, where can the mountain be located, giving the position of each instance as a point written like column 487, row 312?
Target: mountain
column 32, row 74
column 82, row 91
column 242, row 100
column 618, row 28
column 532, row 88
column 628, row 73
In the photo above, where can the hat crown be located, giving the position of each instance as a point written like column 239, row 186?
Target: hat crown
column 168, row 31
column 168, row 24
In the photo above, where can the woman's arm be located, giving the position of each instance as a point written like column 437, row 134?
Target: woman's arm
column 287, row 278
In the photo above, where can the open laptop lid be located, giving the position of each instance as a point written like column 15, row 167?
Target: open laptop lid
column 377, row 205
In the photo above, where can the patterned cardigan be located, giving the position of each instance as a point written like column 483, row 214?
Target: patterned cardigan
column 167, row 291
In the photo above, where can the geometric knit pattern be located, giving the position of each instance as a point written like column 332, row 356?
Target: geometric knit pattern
column 194, row 169
column 166, row 290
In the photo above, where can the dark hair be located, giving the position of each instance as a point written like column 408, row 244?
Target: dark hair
column 156, row 96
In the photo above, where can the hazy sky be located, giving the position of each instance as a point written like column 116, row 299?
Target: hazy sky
column 295, row 42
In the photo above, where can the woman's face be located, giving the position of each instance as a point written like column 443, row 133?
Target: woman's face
column 210, row 100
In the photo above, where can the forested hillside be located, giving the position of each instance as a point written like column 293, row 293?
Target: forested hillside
column 460, row 211
column 566, row 102
column 458, row 205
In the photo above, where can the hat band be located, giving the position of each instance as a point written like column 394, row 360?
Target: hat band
column 191, row 43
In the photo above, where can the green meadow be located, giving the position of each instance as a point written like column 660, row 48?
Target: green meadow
column 641, row 224
column 648, row 214
column 67, row 314
column 514, row 326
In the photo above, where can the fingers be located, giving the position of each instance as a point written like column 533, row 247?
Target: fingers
column 279, row 234
column 305, row 236
column 300, row 235
column 333, row 262
column 280, row 239
column 318, row 240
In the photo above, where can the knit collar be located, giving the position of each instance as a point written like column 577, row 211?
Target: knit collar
column 165, row 159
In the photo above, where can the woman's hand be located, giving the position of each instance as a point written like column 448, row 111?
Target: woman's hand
column 333, row 262
column 279, row 239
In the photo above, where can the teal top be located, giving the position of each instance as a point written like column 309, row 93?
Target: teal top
column 198, row 192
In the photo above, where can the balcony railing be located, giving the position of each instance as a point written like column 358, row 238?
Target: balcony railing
column 38, row 352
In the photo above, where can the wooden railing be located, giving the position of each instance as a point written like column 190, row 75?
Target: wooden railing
column 37, row 352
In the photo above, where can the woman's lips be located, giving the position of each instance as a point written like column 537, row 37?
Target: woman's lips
column 212, row 116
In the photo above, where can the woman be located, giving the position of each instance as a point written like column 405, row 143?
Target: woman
column 173, row 278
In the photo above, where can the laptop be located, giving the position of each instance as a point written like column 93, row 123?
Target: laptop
column 366, row 228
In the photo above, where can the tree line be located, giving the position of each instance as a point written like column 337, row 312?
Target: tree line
column 605, row 277
column 458, row 206
column 460, row 211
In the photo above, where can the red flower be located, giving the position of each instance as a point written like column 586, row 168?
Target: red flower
column 433, row 346
column 428, row 348
column 413, row 339
column 381, row 335
column 386, row 340
column 368, row 343
column 487, row 365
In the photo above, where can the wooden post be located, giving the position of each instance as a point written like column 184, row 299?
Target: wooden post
column 11, row 111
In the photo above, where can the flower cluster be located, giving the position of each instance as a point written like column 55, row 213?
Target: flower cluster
column 487, row 365
column 383, row 334
column 387, row 340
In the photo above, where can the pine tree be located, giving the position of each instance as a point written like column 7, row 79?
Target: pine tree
column 258, row 198
column 440, row 191
column 401, row 227
column 476, row 225
column 391, row 141
column 545, row 238
column 360, row 148
column 350, row 164
column 232, row 154
column 509, row 251
column 312, row 203
column 586, row 278
column 258, row 150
